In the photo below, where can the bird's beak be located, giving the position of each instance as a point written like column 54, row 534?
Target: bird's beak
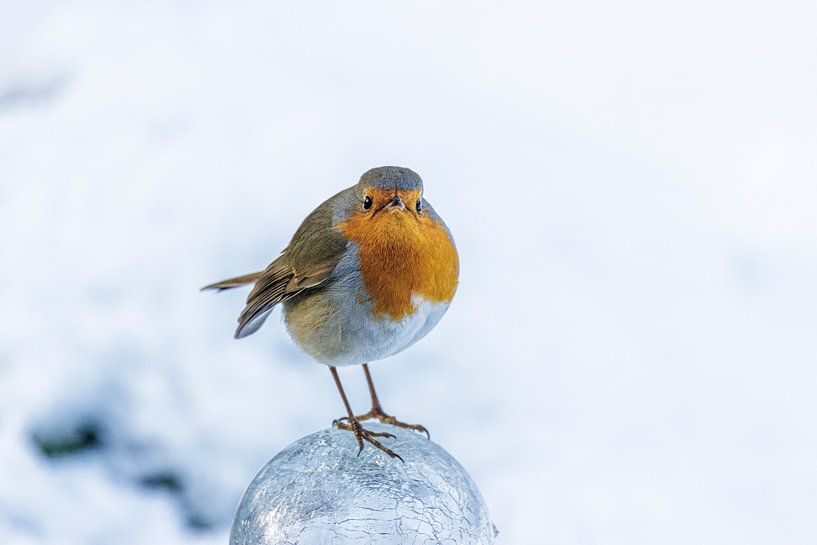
column 396, row 202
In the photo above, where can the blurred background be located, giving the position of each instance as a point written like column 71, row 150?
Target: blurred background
column 631, row 354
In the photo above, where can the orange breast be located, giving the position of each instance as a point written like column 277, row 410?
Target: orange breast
column 403, row 254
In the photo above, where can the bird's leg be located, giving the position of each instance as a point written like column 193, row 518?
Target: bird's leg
column 352, row 424
column 378, row 412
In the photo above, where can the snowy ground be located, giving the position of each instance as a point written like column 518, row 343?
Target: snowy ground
column 630, row 357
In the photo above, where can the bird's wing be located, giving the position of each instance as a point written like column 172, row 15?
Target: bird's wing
column 311, row 257
column 233, row 282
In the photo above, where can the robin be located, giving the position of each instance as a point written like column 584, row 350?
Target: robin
column 367, row 274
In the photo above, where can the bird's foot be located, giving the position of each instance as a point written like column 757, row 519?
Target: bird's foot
column 376, row 413
column 362, row 434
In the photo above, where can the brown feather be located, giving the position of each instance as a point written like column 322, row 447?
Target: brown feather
column 233, row 282
column 307, row 262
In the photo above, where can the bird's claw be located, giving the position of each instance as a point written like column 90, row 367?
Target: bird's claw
column 362, row 434
column 377, row 413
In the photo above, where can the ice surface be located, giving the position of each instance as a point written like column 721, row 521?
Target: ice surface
column 319, row 491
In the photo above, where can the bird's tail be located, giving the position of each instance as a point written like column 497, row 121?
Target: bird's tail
column 234, row 282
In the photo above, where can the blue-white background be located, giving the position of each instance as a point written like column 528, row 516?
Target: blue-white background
column 632, row 354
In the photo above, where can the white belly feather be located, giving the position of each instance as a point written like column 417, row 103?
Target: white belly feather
column 375, row 339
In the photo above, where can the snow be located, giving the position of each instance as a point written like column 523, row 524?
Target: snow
column 631, row 188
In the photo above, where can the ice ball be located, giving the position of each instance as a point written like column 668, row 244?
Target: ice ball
column 318, row 491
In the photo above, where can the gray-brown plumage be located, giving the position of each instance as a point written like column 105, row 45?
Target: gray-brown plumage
column 367, row 274
column 308, row 260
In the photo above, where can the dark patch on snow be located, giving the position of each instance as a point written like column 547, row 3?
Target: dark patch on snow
column 32, row 93
column 198, row 522
column 174, row 484
column 79, row 439
column 163, row 481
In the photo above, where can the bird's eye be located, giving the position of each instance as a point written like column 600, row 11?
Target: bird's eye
column 419, row 205
column 367, row 202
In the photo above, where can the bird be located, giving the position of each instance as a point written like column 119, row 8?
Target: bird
column 366, row 275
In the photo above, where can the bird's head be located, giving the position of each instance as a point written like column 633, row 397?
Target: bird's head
column 390, row 190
